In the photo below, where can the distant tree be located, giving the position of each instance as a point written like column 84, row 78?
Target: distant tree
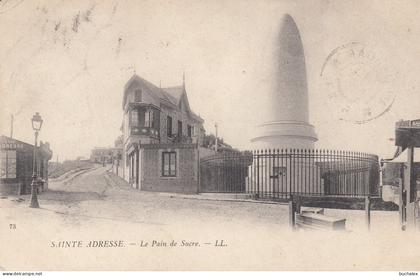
column 119, row 142
column 209, row 141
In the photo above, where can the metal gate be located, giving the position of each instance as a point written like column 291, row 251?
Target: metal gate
column 225, row 173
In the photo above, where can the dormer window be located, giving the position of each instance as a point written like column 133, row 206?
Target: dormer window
column 137, row 95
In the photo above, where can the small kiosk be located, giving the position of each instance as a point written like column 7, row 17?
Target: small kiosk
column 16, row 163
column 407, row 137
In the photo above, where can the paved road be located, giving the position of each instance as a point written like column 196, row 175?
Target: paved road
column 94, row 194
column 91, row 206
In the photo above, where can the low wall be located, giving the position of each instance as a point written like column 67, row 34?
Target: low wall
column 205, row 152
column 348, row 203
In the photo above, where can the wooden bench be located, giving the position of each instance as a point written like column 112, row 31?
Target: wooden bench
column 315, row 219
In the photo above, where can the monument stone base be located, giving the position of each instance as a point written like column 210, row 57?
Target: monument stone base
column 284, row 134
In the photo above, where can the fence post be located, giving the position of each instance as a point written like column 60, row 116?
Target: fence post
column 298, row 203
column 291, row 177
column 198, row 170
column 401, row 200
column 292, row 211
column 367, row 211
column 258, row 174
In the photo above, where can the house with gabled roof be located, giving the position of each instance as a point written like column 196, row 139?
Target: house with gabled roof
column 161, row 117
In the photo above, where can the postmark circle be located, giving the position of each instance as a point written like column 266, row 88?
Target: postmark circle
column 357, row 84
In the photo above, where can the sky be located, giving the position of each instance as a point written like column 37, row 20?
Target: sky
column 69, row 60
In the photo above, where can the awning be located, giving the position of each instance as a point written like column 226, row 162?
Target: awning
column 403, row 156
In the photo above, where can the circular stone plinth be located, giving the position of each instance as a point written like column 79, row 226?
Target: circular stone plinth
column 284, row 134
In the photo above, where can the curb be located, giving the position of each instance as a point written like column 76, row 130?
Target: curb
column 198, row 197
column 195, row 197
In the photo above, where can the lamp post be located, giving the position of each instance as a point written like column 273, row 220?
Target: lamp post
column 36, row 126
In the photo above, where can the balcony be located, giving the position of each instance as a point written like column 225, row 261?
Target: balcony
column 144, row 120
column 182, row 139
column 146, row 131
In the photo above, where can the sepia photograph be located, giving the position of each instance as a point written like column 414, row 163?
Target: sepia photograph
column 198, row 135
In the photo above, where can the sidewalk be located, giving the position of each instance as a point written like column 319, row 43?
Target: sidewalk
column 202, row 196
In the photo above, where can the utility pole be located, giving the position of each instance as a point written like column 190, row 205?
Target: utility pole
column 215, row 143
column 183, row 79
column 12, row 118
column 410, row 190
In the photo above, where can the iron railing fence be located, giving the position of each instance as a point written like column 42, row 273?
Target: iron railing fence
column 281, row 173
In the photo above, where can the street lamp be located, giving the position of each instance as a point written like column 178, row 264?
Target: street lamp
column 36, row 126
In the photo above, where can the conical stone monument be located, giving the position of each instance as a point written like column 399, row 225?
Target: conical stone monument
column 287, row 124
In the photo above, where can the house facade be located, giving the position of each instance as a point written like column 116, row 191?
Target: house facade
column 16, row 164
column 158, row 116
column 104, row 155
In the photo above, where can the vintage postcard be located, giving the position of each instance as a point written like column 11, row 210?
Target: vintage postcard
column 205, row 135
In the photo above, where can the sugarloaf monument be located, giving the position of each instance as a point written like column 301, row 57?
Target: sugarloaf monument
column 287, row 124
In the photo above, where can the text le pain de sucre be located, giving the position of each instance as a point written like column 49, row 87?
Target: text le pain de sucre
column 142, row 243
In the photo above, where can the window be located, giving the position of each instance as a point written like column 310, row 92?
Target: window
column 169, row 126
column 151, row 119
column 134, row 118
column 147, row 118
column 190, row 131
column 156, row 119
column 179, row 128
column 8, row 164
column 168, row 163
column 137, row 95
